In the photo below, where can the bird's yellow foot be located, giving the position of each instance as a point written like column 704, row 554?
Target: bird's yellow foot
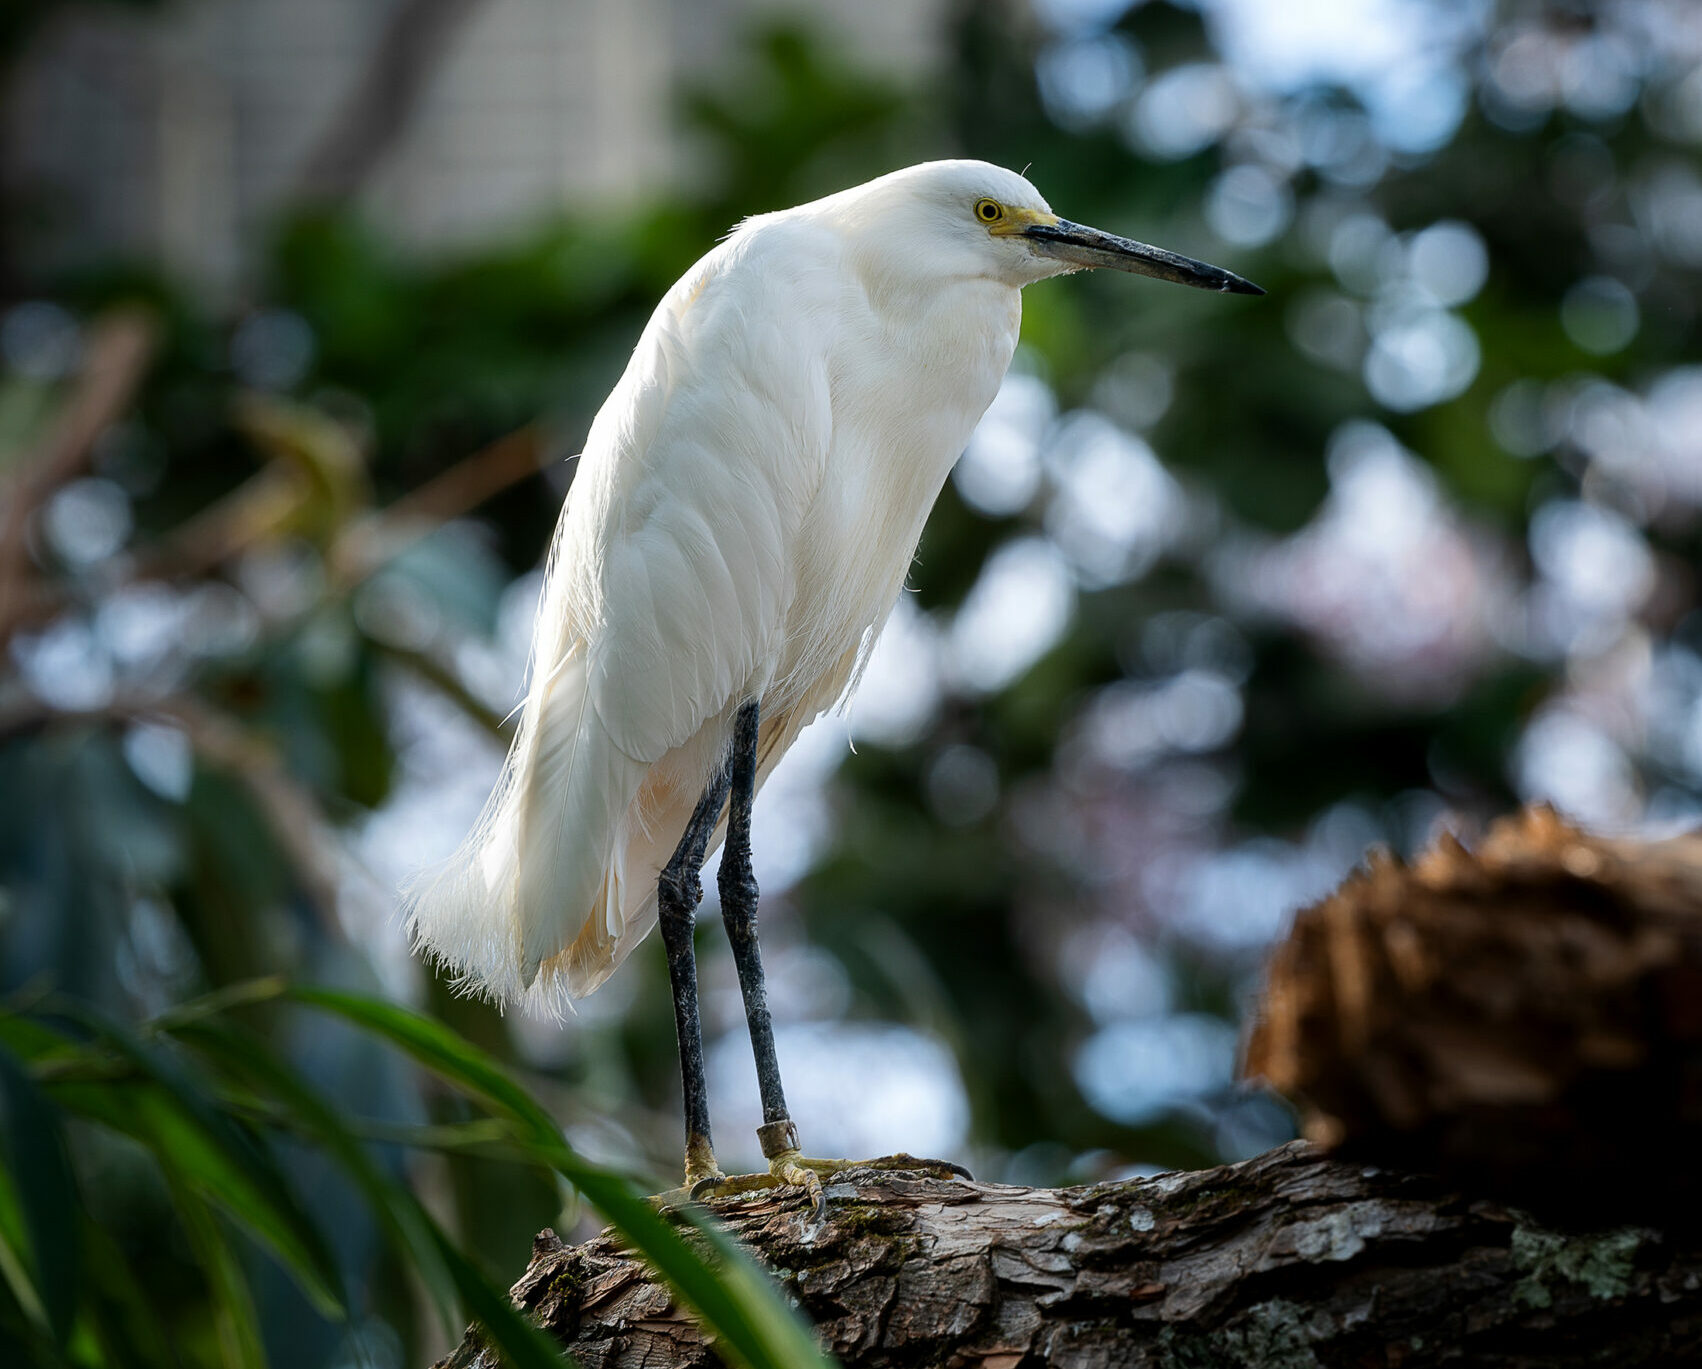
column 934, row 1169
column 785, row 1169
column 703, row 1175
column 788, row 1167
column 701, row 1168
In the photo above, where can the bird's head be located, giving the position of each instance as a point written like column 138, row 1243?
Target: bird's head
column 968, row 217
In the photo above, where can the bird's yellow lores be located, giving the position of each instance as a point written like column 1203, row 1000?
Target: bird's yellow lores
column 737, row 531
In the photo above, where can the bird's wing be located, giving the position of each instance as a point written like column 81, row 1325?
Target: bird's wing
column 663, row 608
column 726, row 430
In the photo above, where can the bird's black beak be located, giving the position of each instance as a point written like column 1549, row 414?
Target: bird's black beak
column 1083, row 246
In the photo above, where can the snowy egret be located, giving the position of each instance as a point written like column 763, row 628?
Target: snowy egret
column 737, row 531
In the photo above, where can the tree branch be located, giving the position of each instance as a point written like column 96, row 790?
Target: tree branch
column 377, row 111
column 1290, row 1259
column 120, row 346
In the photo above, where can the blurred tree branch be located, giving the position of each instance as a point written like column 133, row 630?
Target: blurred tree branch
column 377, row 110
column 313, row 484
column 273, row 501
column 119, row 347
column 292, row 814
column 443, row 679
column 374, row 539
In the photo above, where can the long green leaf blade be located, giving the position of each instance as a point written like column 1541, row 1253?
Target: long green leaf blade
column 234, row 1317
column 243, row 1055
column 446, row 1271
column 32, row 1149
column 124, row 1322
column 170, row 1113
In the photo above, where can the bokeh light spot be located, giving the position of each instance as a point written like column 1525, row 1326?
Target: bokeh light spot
column 1600, row 315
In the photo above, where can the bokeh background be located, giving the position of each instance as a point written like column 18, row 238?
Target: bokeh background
column 305, row 305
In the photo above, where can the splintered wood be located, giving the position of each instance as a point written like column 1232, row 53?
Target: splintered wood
column 1527, row 1015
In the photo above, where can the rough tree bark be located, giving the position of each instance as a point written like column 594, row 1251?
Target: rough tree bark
column 1289, row 1259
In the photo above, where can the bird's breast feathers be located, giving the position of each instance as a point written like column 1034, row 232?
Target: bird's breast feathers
column 751, row 492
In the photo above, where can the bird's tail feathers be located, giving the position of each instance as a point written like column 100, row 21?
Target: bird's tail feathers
column 530, row 909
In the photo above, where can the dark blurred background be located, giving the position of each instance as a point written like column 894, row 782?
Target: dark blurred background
column 304, row 304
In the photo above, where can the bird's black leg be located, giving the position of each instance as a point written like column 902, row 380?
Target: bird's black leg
column 738, row 909
column 778, row 1134
column 677, row 894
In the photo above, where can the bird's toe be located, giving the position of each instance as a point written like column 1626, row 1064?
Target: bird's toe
column 936, row 1169
column 712, row 1185
column 793, row 1169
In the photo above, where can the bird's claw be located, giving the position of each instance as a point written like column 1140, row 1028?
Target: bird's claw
column 706, row 1187
column 783, row 1172
column 790, row 1169
column 934, row 1169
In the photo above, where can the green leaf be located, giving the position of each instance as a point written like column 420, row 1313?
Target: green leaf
column 168, row 1111
column 234, row 1319
column 122, row 1317
column 446, row 1054
column 243, row 994
column 24, row 1341
column 16, row 1263
column 32, row 1150
column 445, row 1271
column 241, row 1054
column 488, row 1138
column 33, row 1042
column 733, row 1297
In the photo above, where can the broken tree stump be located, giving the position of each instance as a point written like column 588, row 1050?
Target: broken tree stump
column 1524, row 1017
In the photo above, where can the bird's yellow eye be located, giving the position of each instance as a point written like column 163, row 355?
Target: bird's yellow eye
column 989, row 211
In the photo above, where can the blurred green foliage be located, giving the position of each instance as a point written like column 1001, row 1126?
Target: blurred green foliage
column 201, row 1094
column 134, row 876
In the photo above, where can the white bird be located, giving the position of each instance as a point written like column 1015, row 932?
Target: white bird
column 737, row 531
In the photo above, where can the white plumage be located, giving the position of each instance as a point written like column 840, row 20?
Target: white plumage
column 739, row 527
